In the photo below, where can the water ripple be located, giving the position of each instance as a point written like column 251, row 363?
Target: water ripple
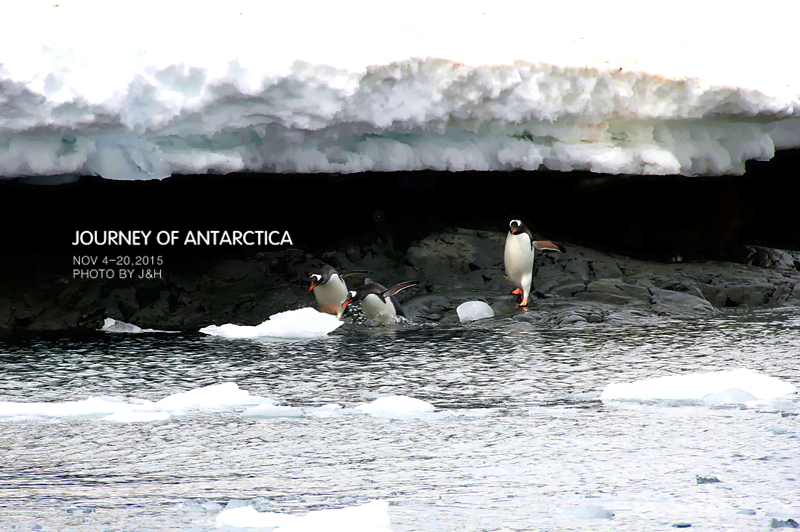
column 548, row 443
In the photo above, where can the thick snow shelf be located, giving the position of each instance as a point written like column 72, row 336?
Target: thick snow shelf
column 148, row 90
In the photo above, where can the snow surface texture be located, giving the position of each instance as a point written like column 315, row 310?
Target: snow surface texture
column 112, row 409
column 351, row 87
column 474, row 310
column 735, row 386
column 292, row 324
column 370, row 517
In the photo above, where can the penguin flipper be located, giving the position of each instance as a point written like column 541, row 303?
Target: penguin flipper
column 398, row 287
column 548, row 245
column 352, row 272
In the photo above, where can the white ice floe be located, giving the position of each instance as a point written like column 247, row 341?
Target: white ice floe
column 588, row 511
column 395, row 406
column 355, row 86
column 114, row 326
column 369, row 517
column 267, row 411
column 216, row 396
column 474, row 310
column 292, row 324
column 735, row 386
column 224, row 395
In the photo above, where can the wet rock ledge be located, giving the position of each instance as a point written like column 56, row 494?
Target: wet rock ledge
column 578, row 287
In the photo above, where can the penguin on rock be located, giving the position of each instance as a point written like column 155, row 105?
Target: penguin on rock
column 518, row 256
column 329, row 288
column 379, row 303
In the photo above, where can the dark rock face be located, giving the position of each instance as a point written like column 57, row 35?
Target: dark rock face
column 578, row 287
column 588, row 286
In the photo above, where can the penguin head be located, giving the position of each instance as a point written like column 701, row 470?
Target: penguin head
column 516, row 226
column 315, row 280
column 320, row 276
column 352, row 295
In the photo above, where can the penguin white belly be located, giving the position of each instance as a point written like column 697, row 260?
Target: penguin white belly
column 518, row 257
column 379, row 311
column 331, row 295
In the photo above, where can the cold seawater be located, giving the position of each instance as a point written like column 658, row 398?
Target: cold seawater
column 520, row 438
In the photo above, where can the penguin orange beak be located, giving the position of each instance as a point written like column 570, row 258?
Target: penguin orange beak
column 347, row 303
column 514, row 231
column 312, row 287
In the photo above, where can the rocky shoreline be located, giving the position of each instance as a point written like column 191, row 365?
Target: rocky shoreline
column 581, row 286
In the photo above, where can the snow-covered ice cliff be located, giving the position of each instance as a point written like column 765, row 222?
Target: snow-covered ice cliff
column 146, row 90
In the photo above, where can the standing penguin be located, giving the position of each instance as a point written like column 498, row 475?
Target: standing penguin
column 518, row 257
column 378, row 302
column 330, row 289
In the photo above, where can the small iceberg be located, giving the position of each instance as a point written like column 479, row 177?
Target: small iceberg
column 292, row 324
column 474, row 310
column 395, row 406
column 369, row 517
column 115, row 326
column 738, row 385
column 222, row 395
column 588, row 511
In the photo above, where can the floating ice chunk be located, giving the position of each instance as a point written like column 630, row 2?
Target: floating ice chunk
column 271, row 411
column 395, row 406
column 112, row 325
column 137, row 410
column 214, row 396
column 697, row 386
column 370, row 517
column 301, row 323
column 474, row 310
column 92, row 407
column 588, row 511
column 249, row 517
column 199, row 506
